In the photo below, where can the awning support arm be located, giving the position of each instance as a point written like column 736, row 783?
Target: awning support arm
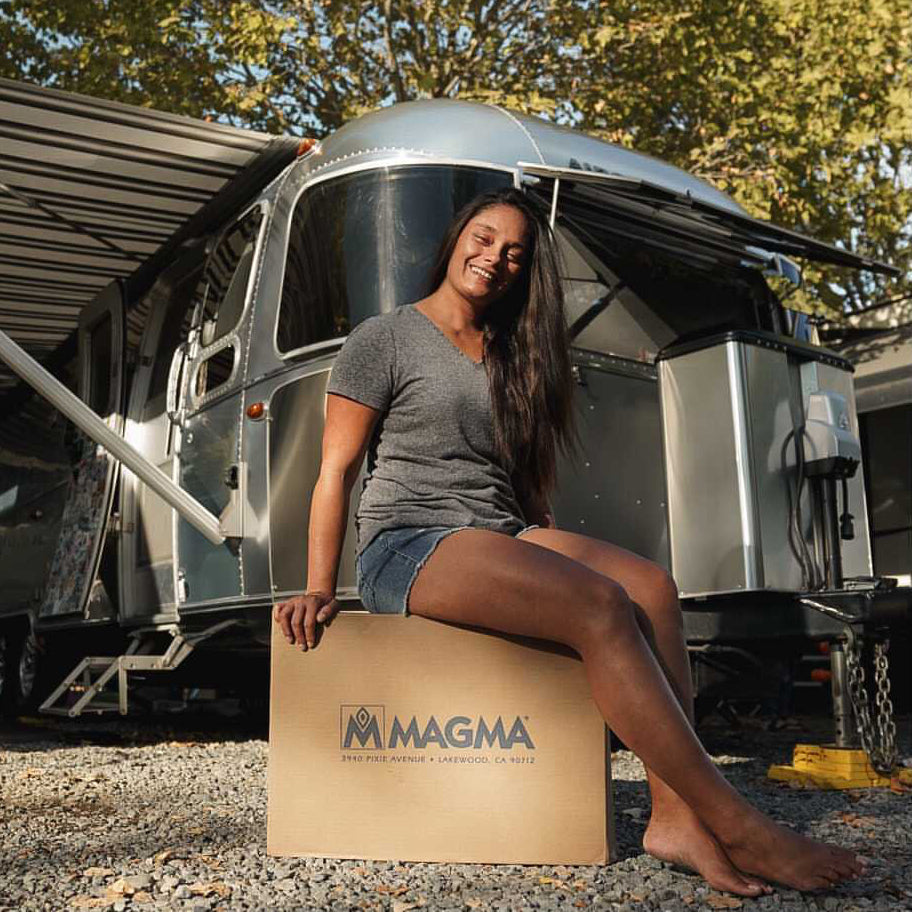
column 93, row 426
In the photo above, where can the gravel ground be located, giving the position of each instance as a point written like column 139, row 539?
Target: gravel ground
column 89, row 820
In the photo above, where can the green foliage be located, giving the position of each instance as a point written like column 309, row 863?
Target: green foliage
column 802, row 109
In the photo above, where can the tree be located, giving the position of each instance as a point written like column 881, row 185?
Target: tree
column 801, row 109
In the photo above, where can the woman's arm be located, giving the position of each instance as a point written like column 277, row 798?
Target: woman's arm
column 346, row 434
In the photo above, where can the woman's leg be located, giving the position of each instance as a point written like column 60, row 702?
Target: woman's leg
column 519, row 587
column 675, row 833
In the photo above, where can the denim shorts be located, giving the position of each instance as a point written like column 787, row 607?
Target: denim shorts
column 388, row 567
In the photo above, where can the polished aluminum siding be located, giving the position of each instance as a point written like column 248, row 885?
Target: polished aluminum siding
column 727, row 412
column 614, row 488
column 296, row 415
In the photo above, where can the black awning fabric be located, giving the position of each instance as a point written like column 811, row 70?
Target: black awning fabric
column 91, row 191
column 603, row 205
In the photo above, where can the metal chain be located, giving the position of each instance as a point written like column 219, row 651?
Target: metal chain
column 877, row 738
column 885, row 722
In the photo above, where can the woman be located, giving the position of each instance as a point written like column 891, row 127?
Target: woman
column 464, row 400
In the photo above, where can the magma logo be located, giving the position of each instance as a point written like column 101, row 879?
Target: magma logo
column 364, row 728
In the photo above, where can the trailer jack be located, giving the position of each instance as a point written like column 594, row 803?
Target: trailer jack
column 90, row 678
column 864, row 753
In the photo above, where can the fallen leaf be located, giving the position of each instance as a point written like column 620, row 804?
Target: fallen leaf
column 210, row 889
column 581, row 904
column 545, row 881
column 720, row 901
column 857, row 820
column 392, row 891
column 97, row 872
column 89, row 902
column 121, row 888
column 400, row 905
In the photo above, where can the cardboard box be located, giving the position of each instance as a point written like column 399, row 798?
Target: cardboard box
column 403, row 738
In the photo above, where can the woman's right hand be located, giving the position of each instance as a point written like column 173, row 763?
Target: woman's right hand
column 299, row 616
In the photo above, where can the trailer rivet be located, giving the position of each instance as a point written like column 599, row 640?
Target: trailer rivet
column 256, row 410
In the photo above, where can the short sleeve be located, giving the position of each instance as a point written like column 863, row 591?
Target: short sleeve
column 364, row 369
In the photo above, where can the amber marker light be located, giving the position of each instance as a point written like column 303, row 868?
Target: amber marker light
column 308, row 144
column 256, row 410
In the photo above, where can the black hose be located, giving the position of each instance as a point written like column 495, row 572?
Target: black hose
column 810, row 573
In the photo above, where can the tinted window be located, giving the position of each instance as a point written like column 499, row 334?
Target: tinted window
column 215, row 371
column 632, row 290
column 174, row 330
column 100, row 364
column 364, row 243
column 227, row 276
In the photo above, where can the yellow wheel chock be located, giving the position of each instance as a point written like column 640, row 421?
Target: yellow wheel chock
column 822, row 767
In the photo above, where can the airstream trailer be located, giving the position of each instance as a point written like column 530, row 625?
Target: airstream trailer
column 712, row 441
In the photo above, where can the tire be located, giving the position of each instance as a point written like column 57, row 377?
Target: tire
column 5, row 673
column 21, row 687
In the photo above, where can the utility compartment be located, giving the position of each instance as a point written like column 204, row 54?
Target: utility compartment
column 760, row 433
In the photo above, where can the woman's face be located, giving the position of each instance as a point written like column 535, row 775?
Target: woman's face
column 489, row 255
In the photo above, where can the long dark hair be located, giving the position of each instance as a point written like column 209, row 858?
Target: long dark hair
column 527, row 350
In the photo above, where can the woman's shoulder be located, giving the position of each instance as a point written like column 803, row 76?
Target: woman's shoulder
column 392, row 321
column 386, row 327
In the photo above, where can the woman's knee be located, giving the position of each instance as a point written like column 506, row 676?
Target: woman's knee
column 659, row 591
column 607, row 613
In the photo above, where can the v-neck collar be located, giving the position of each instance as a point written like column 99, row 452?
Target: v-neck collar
column 447, row 339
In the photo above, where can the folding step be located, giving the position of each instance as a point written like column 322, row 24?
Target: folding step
column 87, row 688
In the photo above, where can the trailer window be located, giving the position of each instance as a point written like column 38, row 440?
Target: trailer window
column 100, row 361
column 630, row 293
column 227, row 277
column 364, row 243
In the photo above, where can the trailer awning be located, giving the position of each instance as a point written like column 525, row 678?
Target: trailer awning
column 600, row 205
column 91, row 190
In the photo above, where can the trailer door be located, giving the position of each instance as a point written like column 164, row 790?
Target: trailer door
column 73, row 587
column 147, row 546
column 210, row 403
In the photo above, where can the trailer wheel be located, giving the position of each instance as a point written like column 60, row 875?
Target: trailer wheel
column 20, row 684
column 4, row 671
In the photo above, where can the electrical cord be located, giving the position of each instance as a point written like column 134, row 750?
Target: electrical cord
column 811, row 577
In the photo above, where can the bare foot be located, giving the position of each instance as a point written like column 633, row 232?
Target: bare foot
column 682, row 839
column 778, row 854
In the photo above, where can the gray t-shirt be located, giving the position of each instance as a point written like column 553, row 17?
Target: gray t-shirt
column 431, row 461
